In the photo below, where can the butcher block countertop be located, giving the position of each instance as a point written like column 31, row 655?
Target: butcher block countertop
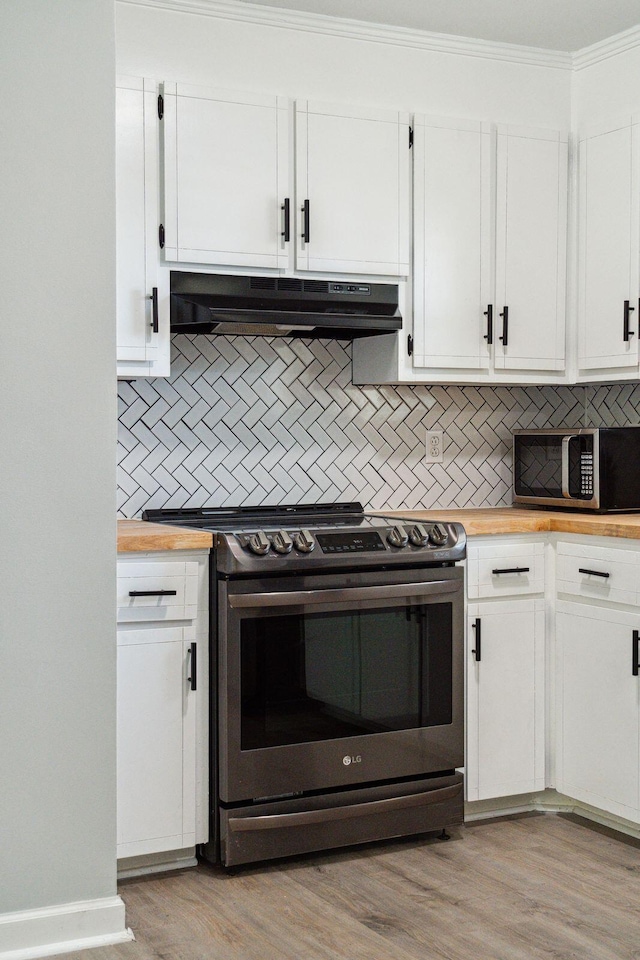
column 138, row 536
column 488, row 520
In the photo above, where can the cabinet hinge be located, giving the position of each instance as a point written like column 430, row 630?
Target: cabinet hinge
column 410, row 345
column 161, row 236
column 410, row 137
column 160, row 106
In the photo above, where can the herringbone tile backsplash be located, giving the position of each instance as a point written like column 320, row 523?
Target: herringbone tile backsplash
column 262, row 421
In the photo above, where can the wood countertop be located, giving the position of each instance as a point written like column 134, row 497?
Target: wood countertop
column 496, row 520
column 136, row 536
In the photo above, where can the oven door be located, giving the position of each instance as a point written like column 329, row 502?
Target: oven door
column 331, row 682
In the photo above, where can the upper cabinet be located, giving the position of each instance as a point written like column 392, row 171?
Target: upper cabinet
column 531, row 240
column 609, row 250
column 142, row 306
column 226, row 177
column 490, row 222
column 230, row 199
column 352, row 189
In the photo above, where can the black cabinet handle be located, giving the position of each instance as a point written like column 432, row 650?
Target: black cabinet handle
column 510, row 570
column 505, row 326
column 489, row 315
column 154, row 309
column 594, row 573
column 286, row 233
column 305, row 222
column 477, row 650
column 153, row 593
column 193, row 657
column 626, row 332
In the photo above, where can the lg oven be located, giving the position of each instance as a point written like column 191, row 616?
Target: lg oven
column 338, row 639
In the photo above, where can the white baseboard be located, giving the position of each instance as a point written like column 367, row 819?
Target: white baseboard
column 550, row 801
column 48, row 931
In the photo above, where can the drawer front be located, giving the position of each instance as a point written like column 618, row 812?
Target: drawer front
column 157, row 590
column 599, row 573
column 505, row 570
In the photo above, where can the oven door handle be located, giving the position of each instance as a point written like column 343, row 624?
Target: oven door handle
column 397, row 591
column 277, row 821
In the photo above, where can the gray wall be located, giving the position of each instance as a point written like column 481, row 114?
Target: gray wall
column 250, row 420
column 57, row 397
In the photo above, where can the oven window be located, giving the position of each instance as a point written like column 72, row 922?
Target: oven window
column 323, row 676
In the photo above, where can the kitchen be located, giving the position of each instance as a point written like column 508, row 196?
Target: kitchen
column 81, row 834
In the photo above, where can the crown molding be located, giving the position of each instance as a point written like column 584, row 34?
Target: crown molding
column 359, row 30
column 605, row 49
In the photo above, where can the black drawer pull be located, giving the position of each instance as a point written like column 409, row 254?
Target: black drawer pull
column 594, row 573
column 511, row 570
column 193, row 678
column 153, row 593
column 477, row 650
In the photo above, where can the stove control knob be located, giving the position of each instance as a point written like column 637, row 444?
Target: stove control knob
column 303, row 541
column 419, row 535
column 282, row 542
column 259, row 543
column 438, row 535
column 397, row 536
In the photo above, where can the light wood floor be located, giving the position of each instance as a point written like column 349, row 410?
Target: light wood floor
column 519, row 889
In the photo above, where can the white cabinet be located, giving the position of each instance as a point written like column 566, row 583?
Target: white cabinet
column 230, row 199
column 505, row 670
column 598, row 712
column 162, row 705
column 142, row 302
column 156, row 739
column 352, row 189
column 608, row 249
column 226, row 176
column 490, row 227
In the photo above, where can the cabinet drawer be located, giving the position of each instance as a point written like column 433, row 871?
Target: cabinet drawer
column 157, row 590
column 602, row 573
column 505, row 570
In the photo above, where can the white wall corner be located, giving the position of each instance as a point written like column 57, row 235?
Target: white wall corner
column 48, row 931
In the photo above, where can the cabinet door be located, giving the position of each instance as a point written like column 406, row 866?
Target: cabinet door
column 352, row 183
column 531, row 225
column 609, row 257
column 156, row 741
column 136, row 339
column 505, row 710
column 226, row 176
column 598, row 707
column 452, row 244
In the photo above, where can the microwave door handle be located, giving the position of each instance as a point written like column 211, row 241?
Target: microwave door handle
column 565, row 466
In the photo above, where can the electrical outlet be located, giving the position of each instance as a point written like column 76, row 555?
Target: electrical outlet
column 434, row 446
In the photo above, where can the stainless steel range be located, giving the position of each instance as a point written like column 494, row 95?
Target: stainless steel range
column 337, row 688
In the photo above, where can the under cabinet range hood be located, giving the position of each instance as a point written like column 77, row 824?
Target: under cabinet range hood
column 282, row 306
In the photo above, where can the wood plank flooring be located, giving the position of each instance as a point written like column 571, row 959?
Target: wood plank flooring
column 538, row 886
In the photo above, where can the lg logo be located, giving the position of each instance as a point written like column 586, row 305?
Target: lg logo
column 348, row 760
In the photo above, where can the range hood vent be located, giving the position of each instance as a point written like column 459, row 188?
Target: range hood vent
column 282, row 306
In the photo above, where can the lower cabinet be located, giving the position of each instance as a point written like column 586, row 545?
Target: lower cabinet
column 162, row 703
column 505, row 698
column 157, row 687
column 598, row 706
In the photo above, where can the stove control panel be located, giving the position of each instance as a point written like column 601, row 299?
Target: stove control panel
column 432, row 540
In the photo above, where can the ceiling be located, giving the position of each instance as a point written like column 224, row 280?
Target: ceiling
column 567, row 25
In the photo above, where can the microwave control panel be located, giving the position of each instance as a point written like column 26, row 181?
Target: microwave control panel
column 586, row 475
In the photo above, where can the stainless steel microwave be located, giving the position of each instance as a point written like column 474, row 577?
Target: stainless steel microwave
column 594, row 468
